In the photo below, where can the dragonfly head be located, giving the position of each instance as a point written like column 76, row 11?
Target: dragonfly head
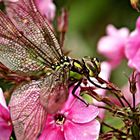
column 87, row 66
column 91, row 66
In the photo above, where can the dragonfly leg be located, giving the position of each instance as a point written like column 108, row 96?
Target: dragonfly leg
column 99, row 86
column 73, row 93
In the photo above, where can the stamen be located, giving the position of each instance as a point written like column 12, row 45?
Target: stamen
column 60, row 119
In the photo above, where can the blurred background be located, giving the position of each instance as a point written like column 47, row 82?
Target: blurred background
column 87, row 23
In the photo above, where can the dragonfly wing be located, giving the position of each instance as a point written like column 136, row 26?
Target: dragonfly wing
column 28, row 115
column 16, row 53
column 16, row 57
column 29, row 21
column 54, row 92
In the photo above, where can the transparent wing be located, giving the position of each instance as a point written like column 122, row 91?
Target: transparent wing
column 29, row 21
column 27, row 43
column 16, row 52
column 17, row 58
column 54, row 91
column 28, row 115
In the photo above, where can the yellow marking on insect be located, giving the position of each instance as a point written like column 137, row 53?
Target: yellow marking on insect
column 90, row 68
column 62, row 65
column 65, row 63
column 77, row 65
column 91, row 73
column 57, row 67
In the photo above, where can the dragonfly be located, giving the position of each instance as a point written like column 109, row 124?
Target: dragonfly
column 29, row 47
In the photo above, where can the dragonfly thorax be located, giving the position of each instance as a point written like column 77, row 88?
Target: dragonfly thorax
column 87, row 66
column 65, row 61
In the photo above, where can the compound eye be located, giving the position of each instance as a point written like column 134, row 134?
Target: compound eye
column 91, row 68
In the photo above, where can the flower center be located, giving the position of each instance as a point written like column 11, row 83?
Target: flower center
column 60, row 119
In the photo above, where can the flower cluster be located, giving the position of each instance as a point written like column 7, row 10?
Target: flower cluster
column 120, row 44
column 74, row 121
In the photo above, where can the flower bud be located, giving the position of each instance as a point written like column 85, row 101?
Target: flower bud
column 135, row 4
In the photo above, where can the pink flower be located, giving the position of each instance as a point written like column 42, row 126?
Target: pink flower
column 74, row 121
column 47, row 8
column 112, row 45
column 132, row 49
column 5, row 120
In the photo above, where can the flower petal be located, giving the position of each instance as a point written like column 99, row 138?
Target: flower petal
column 51, row 130
column 80, row 113
column 5, row 124
column 135, row 61
column 51, row 134
column 47, row 8
column 4, row 113
column 112, row 45
column 2, row 99
column 87, row 131
column 132, row 44
column 132, row 49
column 71, row 99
